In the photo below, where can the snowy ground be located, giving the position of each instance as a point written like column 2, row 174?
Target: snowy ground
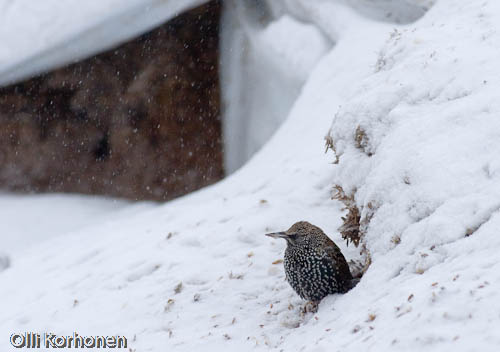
column 197, row 273
column 27, row 220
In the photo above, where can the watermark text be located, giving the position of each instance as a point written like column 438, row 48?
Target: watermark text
column 50, row 340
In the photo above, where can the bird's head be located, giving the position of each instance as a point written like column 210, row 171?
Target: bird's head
column 298, row 233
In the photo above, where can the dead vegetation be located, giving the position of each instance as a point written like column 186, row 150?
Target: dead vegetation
column 329, row 144
column 350, row 230
column 361, row 140
column 356, row 221
column 354, row 226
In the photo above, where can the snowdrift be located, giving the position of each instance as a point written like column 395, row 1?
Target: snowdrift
column 414, row 130
column 71, row 30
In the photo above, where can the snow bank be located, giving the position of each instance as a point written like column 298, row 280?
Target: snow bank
column 418, row 144
column 268, row 50
column 38, row 36
column 417, row 141
column 292, row 46
column 264, row 65
column 414, row 130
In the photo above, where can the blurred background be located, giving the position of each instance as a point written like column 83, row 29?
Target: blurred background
column 139, row 120
column 147, row 99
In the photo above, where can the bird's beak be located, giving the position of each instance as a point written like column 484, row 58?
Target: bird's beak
column 277, row 235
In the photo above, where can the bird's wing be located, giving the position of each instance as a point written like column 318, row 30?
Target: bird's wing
column 334, row 253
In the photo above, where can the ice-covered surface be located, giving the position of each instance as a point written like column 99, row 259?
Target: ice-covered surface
column 198, row 274
column 40, row 35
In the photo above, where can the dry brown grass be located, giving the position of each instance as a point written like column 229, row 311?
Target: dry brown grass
column 329, row 144
column 354, row 226
column 351, row 222
column 361, row 140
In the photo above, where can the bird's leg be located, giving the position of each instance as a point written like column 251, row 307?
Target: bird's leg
column 310, row 307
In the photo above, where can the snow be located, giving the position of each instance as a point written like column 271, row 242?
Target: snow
column 268, row 50
column 264, row 66
column 197, row 273
column 295, row 46
column 28, row 220
column 64, row 35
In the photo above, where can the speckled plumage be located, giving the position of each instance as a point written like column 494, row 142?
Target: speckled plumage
column 314, row 265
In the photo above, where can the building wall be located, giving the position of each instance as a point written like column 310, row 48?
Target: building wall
column 140, row 121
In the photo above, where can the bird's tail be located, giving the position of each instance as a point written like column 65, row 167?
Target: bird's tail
column 353, row 282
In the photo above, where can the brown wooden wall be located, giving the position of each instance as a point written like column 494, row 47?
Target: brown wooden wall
column 141, row 121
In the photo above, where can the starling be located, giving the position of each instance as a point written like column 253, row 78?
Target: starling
column 314, row 265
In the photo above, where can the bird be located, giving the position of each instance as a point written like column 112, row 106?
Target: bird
column 314, row 265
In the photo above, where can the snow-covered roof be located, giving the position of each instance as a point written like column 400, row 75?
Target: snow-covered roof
column 40, row 35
